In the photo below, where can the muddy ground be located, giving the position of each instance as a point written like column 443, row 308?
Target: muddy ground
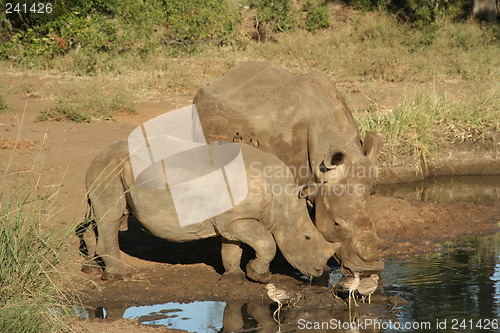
column 162, row 271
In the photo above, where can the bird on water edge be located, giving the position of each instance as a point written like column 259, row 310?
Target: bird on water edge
column 351, row 284
column 277, row 295
column 367, row 286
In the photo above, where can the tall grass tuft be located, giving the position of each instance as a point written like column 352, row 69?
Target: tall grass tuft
column 32, row 296
column 426, row 119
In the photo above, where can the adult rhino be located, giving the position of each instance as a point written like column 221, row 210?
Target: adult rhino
column 270, row 214
column 305, row 122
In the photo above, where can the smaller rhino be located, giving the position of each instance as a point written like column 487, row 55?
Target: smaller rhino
column 271, row 214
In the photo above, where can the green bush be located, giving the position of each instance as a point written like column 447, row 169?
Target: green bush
column 92, row 27
column 273, row 16
column 317, row 15
column 190, row 22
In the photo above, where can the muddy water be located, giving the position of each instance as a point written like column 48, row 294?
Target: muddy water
column 483, row 190
column 459, row 287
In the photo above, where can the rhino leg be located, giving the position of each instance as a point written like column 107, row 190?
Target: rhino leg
column 231, row 259
column 253, row 233
column 233, row 316
column 260, row 312
column 86, row 232
column 109, row 218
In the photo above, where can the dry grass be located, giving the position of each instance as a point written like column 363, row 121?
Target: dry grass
column 33, row 295
column 86, row 100
column 426, row 119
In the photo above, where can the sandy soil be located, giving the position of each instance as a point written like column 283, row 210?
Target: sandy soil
column 164, row 271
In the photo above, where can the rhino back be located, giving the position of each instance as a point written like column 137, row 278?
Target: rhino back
column 295, row 117
column 109, row 177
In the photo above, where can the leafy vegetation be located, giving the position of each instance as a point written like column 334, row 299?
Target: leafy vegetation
column 317, row 15
column 160, row 46
column 195, row 21
column 272, row 16
column 86, row 29
column 96, row 36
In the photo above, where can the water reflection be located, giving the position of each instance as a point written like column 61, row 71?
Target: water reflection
column 242, row 316
column 483, row 190
column 462, row 282
column 208, row 315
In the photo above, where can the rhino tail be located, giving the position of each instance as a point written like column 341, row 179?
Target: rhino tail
column 88, row 224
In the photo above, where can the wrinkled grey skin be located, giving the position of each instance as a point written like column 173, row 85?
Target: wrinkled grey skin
column 262, row 220
column 305, row 122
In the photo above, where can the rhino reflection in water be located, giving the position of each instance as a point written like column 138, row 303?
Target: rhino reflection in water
column 262, row 220
column 305, row 122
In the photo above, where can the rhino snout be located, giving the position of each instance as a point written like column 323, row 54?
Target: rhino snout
column 370, row 248
column 316, row 271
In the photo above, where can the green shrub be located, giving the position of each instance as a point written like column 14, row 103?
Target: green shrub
column 96, row 26
column 272, row 16
column 317, row 15
column 190, row 22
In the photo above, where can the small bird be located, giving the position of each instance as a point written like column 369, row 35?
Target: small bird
column 277, row 295
column 351, row 284
column 367, row 286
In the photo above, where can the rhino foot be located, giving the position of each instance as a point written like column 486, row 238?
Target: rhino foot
column 233, row 277
column 256, row 274
column 91, row 268
column 107, row 276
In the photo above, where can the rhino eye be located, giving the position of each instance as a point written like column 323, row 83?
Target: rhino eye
column 339, row 221
column 308, row 237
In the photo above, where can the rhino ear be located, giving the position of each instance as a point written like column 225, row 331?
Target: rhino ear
column 372, row 146
column 309, row 191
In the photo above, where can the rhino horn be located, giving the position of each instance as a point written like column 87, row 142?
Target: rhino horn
column 387, row 243
column 333, row 248
column 334, row 158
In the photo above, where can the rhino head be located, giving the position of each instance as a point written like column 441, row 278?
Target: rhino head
column 340, row 205
column 302, row 245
